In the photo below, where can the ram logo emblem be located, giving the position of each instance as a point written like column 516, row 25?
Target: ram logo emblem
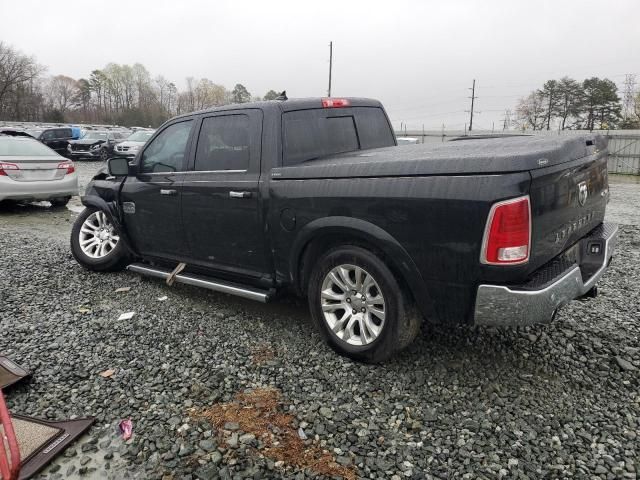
column 583, row 193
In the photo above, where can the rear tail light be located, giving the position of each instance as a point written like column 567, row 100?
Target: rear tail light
column 68, row 166
column 7, row 166
column 507, row 235
column 335, row 102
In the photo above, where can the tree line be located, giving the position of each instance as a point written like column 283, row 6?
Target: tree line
column 116, row 94
column 129, row 95
column 564, row 104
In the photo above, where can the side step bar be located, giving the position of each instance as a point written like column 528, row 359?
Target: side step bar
column 198, row 281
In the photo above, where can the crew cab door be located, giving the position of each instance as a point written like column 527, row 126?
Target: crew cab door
column 151, row 199
column 221, row 206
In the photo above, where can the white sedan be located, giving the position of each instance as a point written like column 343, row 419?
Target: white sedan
column 29, row 170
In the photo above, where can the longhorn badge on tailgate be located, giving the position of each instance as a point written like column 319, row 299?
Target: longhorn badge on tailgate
column 583, row 193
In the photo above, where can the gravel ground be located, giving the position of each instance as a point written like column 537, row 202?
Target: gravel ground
column 554, row 401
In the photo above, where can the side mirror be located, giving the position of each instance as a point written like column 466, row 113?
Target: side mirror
column 118, row 166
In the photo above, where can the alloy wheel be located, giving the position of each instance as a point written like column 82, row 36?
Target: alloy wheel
column 97, row 236
column 352, row 304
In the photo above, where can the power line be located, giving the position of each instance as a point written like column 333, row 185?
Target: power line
column 427, row 106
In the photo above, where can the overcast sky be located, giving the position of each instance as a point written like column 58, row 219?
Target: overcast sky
column 419, row 58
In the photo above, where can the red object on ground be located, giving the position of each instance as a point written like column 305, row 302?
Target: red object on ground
column 9, row 469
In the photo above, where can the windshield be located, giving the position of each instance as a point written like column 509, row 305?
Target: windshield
column 139, row 136
column 95, row 136
column 23, row 147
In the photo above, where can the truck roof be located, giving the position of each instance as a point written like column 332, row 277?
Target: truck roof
column 288, row 105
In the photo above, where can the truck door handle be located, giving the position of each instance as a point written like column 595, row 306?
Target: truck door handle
column 233, row 194
column 168, row 192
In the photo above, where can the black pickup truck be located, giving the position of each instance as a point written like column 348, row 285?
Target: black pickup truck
column 314, row 196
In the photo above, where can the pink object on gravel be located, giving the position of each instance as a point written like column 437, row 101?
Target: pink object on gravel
column 126, row 428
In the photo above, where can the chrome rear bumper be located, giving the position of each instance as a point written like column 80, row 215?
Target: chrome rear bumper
column 499, row 305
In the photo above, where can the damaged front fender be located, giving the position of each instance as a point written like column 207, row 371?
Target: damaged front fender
column 103, row 195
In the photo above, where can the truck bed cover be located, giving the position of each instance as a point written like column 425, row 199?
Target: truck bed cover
column 473, row 156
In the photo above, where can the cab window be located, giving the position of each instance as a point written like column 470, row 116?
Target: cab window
column 311, row 134
column 63, row 133
column 166, row 153
column 223, row 143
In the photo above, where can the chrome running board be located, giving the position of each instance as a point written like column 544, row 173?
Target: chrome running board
column 198, row 281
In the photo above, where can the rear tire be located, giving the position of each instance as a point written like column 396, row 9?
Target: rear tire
column 96, row 244
column 359, row 307
column 60, row 201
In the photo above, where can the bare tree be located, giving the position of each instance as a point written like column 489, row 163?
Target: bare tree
column 17, row 73
column 550, row 96
column 61, row 92
column 531, row 112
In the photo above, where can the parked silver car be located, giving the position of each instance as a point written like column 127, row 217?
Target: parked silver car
column 129, row 148
column 29, row 170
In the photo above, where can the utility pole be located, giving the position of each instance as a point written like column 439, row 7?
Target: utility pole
column 330, row 66
column 473, row 97
column 506, row 120
column 628, row 95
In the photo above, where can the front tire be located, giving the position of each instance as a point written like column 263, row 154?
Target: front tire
column 359, row 307
column 96, row 244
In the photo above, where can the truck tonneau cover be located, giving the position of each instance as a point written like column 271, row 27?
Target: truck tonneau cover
column 477, row 156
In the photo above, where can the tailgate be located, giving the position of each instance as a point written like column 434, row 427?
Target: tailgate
column 568, row 201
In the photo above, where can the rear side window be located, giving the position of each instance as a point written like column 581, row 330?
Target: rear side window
column 310, row 134
column 48, row 135
column 373, row 128
column 63, row 133
column 223, row 143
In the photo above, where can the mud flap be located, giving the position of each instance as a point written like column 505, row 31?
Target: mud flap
column 11, row 372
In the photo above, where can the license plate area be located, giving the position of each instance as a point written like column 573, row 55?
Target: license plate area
column 591, row 255
column 597, row 248
column 37, row 175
